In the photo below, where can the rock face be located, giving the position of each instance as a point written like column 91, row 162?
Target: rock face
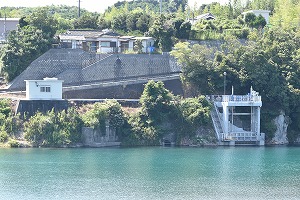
column 204, row 136
column 280, row 136
column 93, row 138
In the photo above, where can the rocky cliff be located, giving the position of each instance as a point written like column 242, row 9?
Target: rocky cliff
column 280, row 136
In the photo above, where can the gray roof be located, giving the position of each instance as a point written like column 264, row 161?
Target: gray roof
column 205, row 16
column 88, row 34
column 77, row 67
column 72, row 37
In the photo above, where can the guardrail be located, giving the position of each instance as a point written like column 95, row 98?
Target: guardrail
column 239, row 136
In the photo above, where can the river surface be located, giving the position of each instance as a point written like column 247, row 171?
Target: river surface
column 151, row 173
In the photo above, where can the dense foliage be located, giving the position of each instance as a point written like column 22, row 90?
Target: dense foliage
column 32, row 39
column 160, row 113
column 35, row 34
column 38, row 25
column 9, row 124
column 268, row 62
column 102, row 114
column 163, row 113
column 53, row 129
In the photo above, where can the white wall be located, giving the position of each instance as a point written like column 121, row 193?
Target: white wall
column 146, row 44
column 10, row 24
column 34, row 91
column 131, row 46
column 263, row 13
column 107, row 49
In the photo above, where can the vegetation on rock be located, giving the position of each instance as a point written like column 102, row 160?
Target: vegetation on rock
column 268, row 62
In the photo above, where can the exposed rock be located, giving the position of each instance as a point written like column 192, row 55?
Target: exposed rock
column 280, row 136
column 204, row 136
column 94, row 138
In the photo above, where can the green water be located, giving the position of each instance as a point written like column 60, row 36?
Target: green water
column 151, row 173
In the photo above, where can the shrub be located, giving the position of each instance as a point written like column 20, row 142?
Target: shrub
column 52, row 129
column 3, row 136
column 109, row 111
column 13, row 143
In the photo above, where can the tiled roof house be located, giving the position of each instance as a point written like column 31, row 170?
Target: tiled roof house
column 105, row 41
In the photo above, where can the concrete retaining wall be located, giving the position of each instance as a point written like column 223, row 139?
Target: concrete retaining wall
column 132, row 91
column 30, row 107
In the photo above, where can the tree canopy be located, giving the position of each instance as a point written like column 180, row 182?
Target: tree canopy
column 269, row 64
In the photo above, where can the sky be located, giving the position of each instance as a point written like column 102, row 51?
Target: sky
column 90, row 5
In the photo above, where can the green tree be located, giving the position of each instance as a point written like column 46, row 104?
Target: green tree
column 143, row 23
column 162, row 30
column 269, row 64
column 100, row 113
column 43, row 20
column 181, row 28
column 86, row 21
column 22, row 48
column 195, row 112
column 9, row 123
column 27, row 43
column 156, row 110
column 286, row 14
column 155, row 101
column 197, row 66
column 118, row 22
column 255, row 22
column 54, row 129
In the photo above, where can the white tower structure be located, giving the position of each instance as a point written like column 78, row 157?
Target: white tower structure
column 236, row 119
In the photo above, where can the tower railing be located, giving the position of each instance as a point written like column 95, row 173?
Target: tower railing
column 233, row 98
column 240, row 98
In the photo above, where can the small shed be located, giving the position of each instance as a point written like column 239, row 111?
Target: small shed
column 46, row 89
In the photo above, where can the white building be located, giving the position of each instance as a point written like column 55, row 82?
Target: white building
column 264, row 13
column 46, row 89
column 104, row 41
column 226, row 116
column 7, row 25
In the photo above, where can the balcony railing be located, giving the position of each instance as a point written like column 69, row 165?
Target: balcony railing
column 234, row 98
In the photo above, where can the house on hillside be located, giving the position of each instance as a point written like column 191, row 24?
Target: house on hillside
column 205, row 16
column 90, row 40
column 104, row 41
column 7, row 25
column 264, row 13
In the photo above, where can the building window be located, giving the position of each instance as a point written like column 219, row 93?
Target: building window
column 113, row 44
column 105, row 44
column 45, row 89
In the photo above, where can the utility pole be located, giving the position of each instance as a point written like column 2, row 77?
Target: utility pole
column 160, row 6
column 4, row 26
column 224, row 82
column 79, row 8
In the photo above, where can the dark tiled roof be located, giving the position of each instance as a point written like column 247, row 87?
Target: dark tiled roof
column 77, row 67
